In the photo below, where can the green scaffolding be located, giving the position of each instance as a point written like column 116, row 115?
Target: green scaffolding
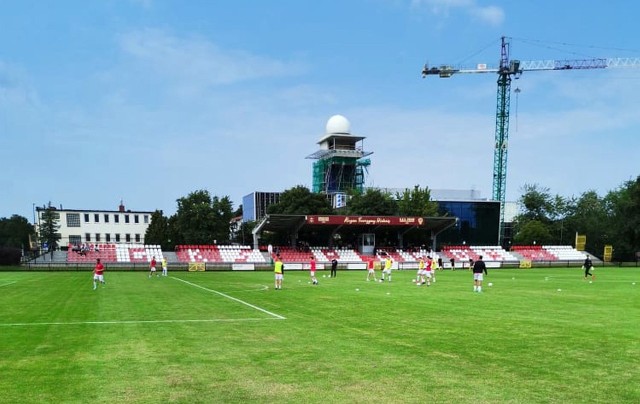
column 339, row 174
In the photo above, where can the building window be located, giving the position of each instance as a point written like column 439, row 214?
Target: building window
column 106, row 218
column 86, row 218
column 97, row 237
column 117, row 237
column 73, row 219
column 126, row 218
column 136, row 219
column 127, row 238
column 87, row 237
column 107, row 237
column 146, row 219
column 96, row 218
column 75, row 240
column 137, row 238
column 116, row 218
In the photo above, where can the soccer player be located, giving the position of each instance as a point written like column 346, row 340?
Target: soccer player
column 279, row 272
column 420, row 274
column 387, row 268
column 371, row 265
column 334, row 268
column 164, row 266
column 98, row 274
column 434, row 266
column 478, row 268
column 428, row 272
column 587, row 267
column 152, row 266
column 312, row 270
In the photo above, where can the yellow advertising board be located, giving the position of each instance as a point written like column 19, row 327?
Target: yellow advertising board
column 196, row 267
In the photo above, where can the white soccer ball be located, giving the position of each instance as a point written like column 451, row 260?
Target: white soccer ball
column 357, row 290
column 490, row 284
column 559, row 290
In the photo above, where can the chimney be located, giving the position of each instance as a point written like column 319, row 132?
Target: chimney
column 121, row 207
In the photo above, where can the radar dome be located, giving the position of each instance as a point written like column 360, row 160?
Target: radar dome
column 338, row 124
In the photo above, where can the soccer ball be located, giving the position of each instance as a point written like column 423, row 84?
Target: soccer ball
column 490, row 284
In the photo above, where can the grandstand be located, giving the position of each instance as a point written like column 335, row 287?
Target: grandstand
column 246, row 257
column 107, row 252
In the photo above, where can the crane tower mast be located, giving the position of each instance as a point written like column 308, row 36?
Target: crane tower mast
column 507, row 70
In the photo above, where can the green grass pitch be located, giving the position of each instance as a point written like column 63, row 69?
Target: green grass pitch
column 535, row 336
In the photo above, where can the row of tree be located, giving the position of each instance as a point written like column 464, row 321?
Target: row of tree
column 544, row 218
column 554, row 220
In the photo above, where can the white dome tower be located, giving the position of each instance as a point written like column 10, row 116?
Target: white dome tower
column 341, row 164
column 338, row 124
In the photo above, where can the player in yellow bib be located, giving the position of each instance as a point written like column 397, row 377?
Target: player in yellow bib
column 387, row 268
column 278, row 269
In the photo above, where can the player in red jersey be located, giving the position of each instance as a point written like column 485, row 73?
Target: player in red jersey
column 312, row 270
column 98, row 274
column 152, row 266
column 371, row 266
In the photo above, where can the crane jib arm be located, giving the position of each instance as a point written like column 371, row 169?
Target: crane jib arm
column 533, row 65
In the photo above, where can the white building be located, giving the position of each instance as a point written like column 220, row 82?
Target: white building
column 79, row 226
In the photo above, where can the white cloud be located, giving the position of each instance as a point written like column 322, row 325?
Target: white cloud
column 197, row 62
column 492, row 15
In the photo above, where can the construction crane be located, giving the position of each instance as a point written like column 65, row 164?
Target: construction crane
column 508, row 70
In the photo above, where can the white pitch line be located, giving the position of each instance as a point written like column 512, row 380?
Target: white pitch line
column 215, row 320
column 7, row 284
column 232, row 298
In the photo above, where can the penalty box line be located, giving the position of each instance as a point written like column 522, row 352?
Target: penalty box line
column 232, row 298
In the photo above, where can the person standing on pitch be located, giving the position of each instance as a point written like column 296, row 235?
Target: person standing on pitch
column 312, row 270
column 152, row 266
column 434, row 267
column 371, row 265
column 428, row 270
column 98, row 274
column 387, row 268
column 420, row 275
column 164, row 266
column 334, row 268
column 478, row 268
column 279, row 272
column 587, row 268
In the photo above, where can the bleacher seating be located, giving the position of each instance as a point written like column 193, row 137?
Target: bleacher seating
column 565, row 252
column 109, row 252
column 106, row 252
column 219, row 254
column 533, row 253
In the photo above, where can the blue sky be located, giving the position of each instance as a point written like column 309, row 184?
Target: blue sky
column 149, row 100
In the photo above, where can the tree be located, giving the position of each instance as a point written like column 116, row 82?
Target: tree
column 540, row 208
column 244, row 234
column 416, row 202
column 222, row 211
column 48, row 229
column 15, row 232
column 201, row 219
column 373, row 202
column 587, row 215
column 624, row 208
column 299, row 200
column 533, row 232
column 158, row 231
